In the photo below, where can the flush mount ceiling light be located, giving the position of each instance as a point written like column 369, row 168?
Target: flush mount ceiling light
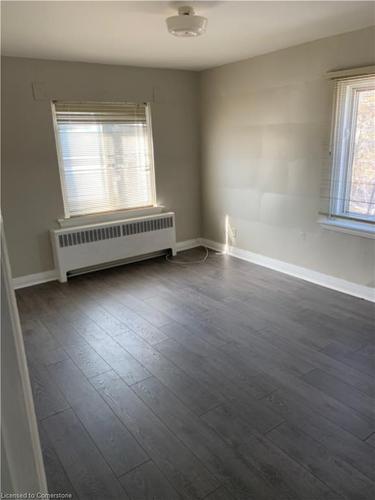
column 186, row 23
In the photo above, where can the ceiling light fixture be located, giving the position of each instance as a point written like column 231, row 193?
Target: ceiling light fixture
column 186, row 23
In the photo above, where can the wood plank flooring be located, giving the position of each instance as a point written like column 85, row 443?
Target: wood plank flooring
column 216, row 381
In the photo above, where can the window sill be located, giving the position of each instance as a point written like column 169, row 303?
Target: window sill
column 356, row 228
column 83, row 220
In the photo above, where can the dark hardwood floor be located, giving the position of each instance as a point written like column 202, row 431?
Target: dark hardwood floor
column 216, row 381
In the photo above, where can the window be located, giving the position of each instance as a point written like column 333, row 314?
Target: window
column 353, row 153
column 105, row 156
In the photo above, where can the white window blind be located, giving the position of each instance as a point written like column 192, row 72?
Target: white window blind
column 105, row 156
column 352, row 175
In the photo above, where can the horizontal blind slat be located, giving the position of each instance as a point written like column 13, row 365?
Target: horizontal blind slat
column 106, row 156
column 67, row 112
column 348, row 180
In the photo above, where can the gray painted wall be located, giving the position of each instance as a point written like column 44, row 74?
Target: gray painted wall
column 265, row 137
column 31, row 193
column 264, row 141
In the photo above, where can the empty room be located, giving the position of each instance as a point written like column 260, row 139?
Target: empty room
column 188, row 250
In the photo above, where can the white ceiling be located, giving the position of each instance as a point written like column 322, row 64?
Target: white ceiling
column 134, row 33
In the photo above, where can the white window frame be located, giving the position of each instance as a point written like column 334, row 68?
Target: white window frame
column 112, row 214
column 343, row 148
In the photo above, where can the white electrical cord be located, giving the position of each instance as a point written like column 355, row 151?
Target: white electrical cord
column 188, row 262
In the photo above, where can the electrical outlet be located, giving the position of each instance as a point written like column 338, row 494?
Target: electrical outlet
column 234, row 232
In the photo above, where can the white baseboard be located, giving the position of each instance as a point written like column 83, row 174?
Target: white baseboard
column 187, row 244
column 38, row 278
column 338, row 284
column 34, row 279
column 364, row 292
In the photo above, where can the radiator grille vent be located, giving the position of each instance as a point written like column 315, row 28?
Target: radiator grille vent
column 106, row 233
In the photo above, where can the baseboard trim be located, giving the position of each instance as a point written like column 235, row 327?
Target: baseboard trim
column 44, row 277
column 34, row 279
column 338, row 284
column 187, row 244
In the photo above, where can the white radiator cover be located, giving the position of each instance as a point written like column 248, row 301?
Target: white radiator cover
column 81, row 247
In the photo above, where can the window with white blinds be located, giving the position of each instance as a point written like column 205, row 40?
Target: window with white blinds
column 352, row 185
column 105, row 155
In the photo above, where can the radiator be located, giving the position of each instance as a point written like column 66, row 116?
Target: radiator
column 83, row 247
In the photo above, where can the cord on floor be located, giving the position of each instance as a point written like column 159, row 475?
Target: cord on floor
column 173, row 260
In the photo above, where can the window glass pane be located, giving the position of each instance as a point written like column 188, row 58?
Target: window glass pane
column 84, row 166
column 105, row 156
column 362, row 178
